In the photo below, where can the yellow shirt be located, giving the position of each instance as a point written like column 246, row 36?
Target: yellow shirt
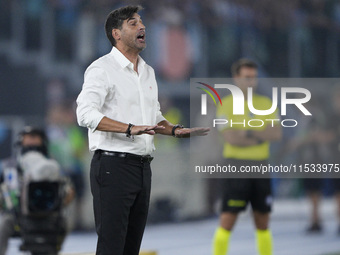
column 254, row 152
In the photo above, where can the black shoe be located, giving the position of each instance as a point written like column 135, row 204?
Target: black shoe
column 314, row 228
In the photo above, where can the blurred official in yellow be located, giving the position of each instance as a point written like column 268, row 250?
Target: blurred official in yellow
column 246, row 146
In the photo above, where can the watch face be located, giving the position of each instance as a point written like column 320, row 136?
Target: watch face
column 175, row 127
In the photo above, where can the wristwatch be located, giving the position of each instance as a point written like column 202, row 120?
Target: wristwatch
column 174, row 128
column 128, row 131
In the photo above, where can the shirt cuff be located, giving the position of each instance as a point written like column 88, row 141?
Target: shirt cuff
column 96, row 117
column 159, row 118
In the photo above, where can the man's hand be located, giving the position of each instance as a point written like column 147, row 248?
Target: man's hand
column 187, row 132
column 150, row 130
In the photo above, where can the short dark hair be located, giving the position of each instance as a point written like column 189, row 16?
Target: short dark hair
column 243, row 62
column 116, row 18
column 34, row 131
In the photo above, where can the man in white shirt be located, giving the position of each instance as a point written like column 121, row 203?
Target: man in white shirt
column 119, row 105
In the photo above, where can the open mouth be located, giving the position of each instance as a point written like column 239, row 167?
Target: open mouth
column 141, row 37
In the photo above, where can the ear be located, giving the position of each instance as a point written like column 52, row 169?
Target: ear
column 116, row 34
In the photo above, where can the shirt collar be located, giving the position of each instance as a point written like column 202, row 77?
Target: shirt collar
column 123, row 61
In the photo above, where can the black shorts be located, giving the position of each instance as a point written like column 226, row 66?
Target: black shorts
column 237, row 193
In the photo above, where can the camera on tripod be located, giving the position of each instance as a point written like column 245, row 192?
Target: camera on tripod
column 41, row 221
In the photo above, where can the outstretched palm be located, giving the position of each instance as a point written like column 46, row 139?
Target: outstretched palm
column 187, row 132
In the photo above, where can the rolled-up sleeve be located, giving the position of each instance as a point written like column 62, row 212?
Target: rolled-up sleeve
column 92, row 97
column 159, row 116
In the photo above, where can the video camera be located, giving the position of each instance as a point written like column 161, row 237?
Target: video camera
column 42, row 224
column 33, row 192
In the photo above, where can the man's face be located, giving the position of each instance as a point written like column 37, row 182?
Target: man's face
column 132, row 33
column 247, row 77
column 31, row 140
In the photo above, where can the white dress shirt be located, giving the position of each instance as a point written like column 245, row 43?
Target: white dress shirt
column 113, row 89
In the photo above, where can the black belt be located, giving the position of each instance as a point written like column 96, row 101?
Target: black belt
column 139, row 158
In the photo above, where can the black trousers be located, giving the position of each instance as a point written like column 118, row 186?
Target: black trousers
column 121, row 195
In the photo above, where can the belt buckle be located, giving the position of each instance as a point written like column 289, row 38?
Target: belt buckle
column 147, row 158
column 121, row 155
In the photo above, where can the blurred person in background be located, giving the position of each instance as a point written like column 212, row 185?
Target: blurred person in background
column 119, row 106
column 312, row 146
column 11, row 180
column 68, row 146
column 246, row 146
